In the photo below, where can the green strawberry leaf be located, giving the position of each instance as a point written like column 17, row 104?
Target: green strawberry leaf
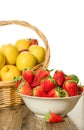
column 74, row 78
column 16, row 79
column 29, row 39
column 62, row 92
column 20, row 86
column 47, row 117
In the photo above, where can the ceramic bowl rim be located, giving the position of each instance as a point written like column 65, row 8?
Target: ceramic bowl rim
column 49, row 98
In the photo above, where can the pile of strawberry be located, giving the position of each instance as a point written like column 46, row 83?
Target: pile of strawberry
column 42, row 84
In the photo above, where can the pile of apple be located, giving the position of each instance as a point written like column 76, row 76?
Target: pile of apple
column 14, row 58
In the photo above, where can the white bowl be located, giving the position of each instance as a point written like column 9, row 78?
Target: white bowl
column 40, row 106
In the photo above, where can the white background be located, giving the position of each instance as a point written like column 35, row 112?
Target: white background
column 62, row 21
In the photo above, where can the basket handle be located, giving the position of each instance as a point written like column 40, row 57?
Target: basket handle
column 39, row 33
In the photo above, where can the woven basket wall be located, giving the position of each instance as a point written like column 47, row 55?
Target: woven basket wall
column 8, row 95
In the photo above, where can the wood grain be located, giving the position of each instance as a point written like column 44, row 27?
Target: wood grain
column 11, row 118
column 20, row 118
column 34, row 123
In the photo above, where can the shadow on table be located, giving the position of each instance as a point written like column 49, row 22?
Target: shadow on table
column 34, row 123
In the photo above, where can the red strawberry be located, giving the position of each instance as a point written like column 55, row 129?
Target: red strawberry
column 33, row 41
column 39, row 92
column 45, row 73
column 40, row 74
column 18, row 80
column 57, row 92
column 80, row 89
column 72, row 77
column 48, row 84
column 71, row 87
column 25, row 88
column 59, row 77
column 67, row 78
column 54, row 93
column 28, row 75
column 53, row 117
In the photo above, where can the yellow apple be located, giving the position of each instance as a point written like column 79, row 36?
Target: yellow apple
column 25, row 60
column 22, row 44
column 2, row 60
column 8, row 72
column 38, row 52
column 0, row 75
column 10, row 52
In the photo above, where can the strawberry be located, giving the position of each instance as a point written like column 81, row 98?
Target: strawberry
column 48, row 84
column 40, row 74
column 72, row 77
column 25, row 88
column 63, row 92
column 28, row 75
column 33, row 41
column 54, row 93
column 18, row 80
column 57, row 92
column 52, row 117
column 39, row 92
column 71, row 87
column 80, row 89
column 59, row 77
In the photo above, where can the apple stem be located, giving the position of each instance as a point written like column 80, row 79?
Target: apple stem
column 7, row 69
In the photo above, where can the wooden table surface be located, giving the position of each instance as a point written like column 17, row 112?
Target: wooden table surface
column 21, row 118
column 73, row 121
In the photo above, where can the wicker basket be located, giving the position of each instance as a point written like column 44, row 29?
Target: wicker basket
column 8, row 95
